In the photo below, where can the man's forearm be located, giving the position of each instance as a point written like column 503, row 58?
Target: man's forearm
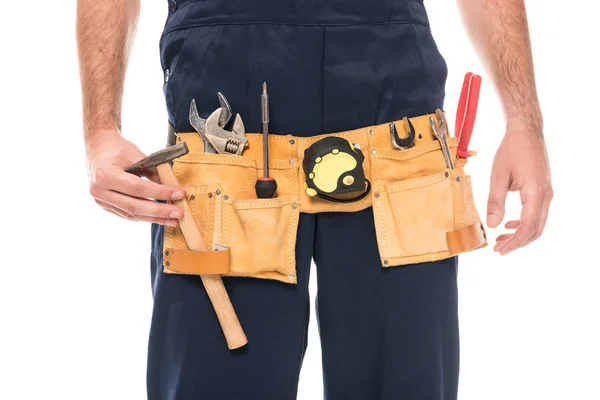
column 105, row 32
column 500, row 34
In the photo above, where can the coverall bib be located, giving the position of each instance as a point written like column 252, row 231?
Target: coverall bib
column 331, row 66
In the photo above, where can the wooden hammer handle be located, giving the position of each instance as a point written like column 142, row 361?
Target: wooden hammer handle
column 234, row 334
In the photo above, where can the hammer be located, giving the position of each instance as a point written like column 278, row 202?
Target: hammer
column 234, row 334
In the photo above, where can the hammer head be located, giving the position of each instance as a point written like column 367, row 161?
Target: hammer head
column 160, row 157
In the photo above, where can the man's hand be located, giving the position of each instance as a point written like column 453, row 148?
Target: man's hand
column 521, row 164
column 125, row 194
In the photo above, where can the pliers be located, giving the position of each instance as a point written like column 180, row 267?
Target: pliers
column 466, row 113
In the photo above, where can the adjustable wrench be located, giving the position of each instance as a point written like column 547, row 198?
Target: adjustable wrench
column 440, row 130
column 199, row 123
column 226, row 142
column 215, row 138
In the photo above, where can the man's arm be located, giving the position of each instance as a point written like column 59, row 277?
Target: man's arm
column 105, row 33
column 500, row 34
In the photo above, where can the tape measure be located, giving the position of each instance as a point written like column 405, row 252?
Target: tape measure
column 333, row 169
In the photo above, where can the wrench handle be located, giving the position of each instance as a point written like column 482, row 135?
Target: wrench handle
column 234, row 334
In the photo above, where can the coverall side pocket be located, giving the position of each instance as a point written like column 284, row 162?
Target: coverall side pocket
column 412, row 217
column 261, row 235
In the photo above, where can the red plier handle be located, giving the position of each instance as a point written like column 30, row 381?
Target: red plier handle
column 466, row 113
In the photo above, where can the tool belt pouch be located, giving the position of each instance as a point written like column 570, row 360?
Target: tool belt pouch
column 423, row 211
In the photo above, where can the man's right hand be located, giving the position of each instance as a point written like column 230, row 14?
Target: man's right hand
column 124, row 194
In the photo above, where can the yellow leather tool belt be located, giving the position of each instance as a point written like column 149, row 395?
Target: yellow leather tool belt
column 423, row 211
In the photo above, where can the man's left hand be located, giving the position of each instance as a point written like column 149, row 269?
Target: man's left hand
column 521, row 164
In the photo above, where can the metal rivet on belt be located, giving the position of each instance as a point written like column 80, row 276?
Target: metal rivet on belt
column 167, row 253
column 218, row 192
column 292, row 161
column 210, row 195
column 179, row 138
column 168, row 264
column 370, row 131
column 446, row 174
column 292, row 141
column 458, row 179
column 385, row 262
column 420, row 136
column 373, row 151
column 294, row 206
column 226, row 197
column 376, row 195
column 192, row 197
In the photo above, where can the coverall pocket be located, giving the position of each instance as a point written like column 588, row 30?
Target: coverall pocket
column 413, row 217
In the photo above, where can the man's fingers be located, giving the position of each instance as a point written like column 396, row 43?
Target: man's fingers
column 114, row 210
column 135, row 186
column 497, row 198
column 543, row 217
column 120, row 213
column 530, row 221
column 138, row 207
column 514, row 224
column 504, row 237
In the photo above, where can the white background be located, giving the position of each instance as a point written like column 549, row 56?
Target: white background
column 75, row 297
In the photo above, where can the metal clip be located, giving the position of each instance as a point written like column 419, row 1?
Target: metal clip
column 403, row 143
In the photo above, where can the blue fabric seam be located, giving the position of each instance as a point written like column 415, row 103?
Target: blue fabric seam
column 323, row 54
column 332, row 25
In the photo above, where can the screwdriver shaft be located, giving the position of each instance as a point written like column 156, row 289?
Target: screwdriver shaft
column 265, row 123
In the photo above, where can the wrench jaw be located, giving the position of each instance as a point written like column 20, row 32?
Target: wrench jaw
column 403, row 143
column 238, row 127
column 226, row 112
column 226, row 142
column 199, row 125
column 440, row 130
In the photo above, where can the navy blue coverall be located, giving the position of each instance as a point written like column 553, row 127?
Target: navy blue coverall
column 331, row 65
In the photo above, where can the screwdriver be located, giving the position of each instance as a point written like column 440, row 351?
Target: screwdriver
column 265, row 186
